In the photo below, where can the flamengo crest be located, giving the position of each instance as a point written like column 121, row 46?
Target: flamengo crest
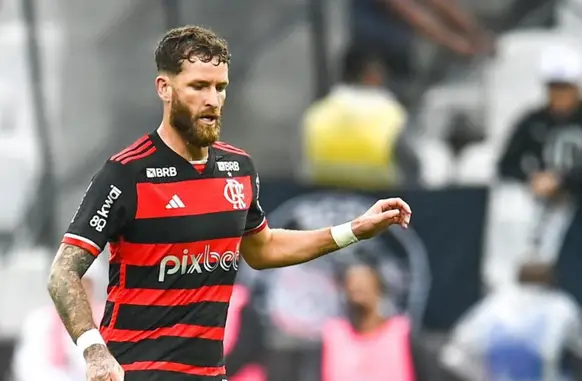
column 234, row 193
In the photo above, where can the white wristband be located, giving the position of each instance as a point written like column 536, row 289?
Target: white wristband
column 343, row 235
column 88, row 338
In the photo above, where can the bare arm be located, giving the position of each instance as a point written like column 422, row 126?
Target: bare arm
column 458, row 18
column 271, row 248
column 67, row 292
column 279, row 248
column 427, row 24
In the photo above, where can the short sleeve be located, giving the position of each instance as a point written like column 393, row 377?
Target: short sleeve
column 106, row 208
column 256, row 220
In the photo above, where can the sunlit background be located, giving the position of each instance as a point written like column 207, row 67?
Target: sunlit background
column 339, row 102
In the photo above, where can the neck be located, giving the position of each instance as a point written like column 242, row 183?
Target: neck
column 369, row 321
column 173, row 140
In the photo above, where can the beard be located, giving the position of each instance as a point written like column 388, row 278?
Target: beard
column 191, row 128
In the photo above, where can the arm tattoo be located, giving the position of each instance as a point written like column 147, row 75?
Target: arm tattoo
column 66, row 289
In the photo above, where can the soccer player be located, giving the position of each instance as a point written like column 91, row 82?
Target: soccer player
column 177, row 207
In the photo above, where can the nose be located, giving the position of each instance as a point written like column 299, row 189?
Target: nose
column 212, row 99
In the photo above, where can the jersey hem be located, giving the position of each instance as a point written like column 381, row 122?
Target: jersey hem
column 82, row 242
column 257, row 229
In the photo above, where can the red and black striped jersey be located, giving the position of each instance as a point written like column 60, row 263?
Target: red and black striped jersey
column 174, row 231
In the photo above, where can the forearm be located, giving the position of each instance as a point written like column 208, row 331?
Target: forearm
column 291, row 247
column 456, row 16
column 423, row 21
column 67, row 292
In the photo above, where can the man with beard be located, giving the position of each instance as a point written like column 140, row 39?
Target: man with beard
column 176, row 207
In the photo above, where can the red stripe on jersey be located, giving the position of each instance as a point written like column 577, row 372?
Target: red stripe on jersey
column 197, row 197
column 175, row 367
column 131, row 147
column 140, row 156
column 82, row 242
column 169, row 298
column 177, row 330
column 258, row 229
column 136, row 151
column 227, row 147
column 144, row 254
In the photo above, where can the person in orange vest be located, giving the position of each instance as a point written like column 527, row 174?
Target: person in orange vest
column 367, row 345
column 242, row 351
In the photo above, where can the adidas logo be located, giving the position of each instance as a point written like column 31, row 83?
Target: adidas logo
column 175, row 203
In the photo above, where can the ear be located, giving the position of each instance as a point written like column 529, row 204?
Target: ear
column 164, row 88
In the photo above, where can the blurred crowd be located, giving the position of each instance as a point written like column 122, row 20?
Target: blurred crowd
column 436, row 97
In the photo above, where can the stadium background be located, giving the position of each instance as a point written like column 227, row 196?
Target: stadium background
column 77, row 85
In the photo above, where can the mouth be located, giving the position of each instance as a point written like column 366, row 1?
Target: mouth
column 208, row 119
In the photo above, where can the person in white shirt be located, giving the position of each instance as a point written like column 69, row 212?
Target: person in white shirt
column 518, row 333
column 44, row 350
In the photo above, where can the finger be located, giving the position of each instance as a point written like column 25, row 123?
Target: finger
column 404, row 206
column 392, row 214
column 394, row 203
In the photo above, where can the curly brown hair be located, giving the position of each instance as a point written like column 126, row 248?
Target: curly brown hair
column 190, row 42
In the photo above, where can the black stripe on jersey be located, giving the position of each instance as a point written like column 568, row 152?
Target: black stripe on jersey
column 188, row 351
column 114, row 269
column 148, row 277
column 157, row 375
column 106, row 320
column 187, row 228
column 143, row 318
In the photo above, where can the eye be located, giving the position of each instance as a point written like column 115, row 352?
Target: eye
column 221, row 88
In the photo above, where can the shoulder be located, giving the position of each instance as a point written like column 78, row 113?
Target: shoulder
column 533, row 115
column 227, row 153
column 229, row 150
column 334, row 325
column 137, row 151
column 564, row 302
column 132, row 158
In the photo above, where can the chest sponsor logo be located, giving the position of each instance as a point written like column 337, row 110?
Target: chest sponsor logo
column 234, row 193
column 228, row 166
column 152, row 173
column 207, row 261
column 99, row 219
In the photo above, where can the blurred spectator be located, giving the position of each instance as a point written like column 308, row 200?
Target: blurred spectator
column 367, row 345
column 545, row 148
column 517, row 333
column 390, row 26
column 354, row 136
column 45, row 350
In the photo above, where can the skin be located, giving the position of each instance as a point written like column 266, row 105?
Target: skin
column 363, row 294
column 198, row 91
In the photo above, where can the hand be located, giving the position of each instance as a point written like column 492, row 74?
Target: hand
column 380, row 216
column 463, row 47
column 485, row 43
column 101, row 365
column 545, row 184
